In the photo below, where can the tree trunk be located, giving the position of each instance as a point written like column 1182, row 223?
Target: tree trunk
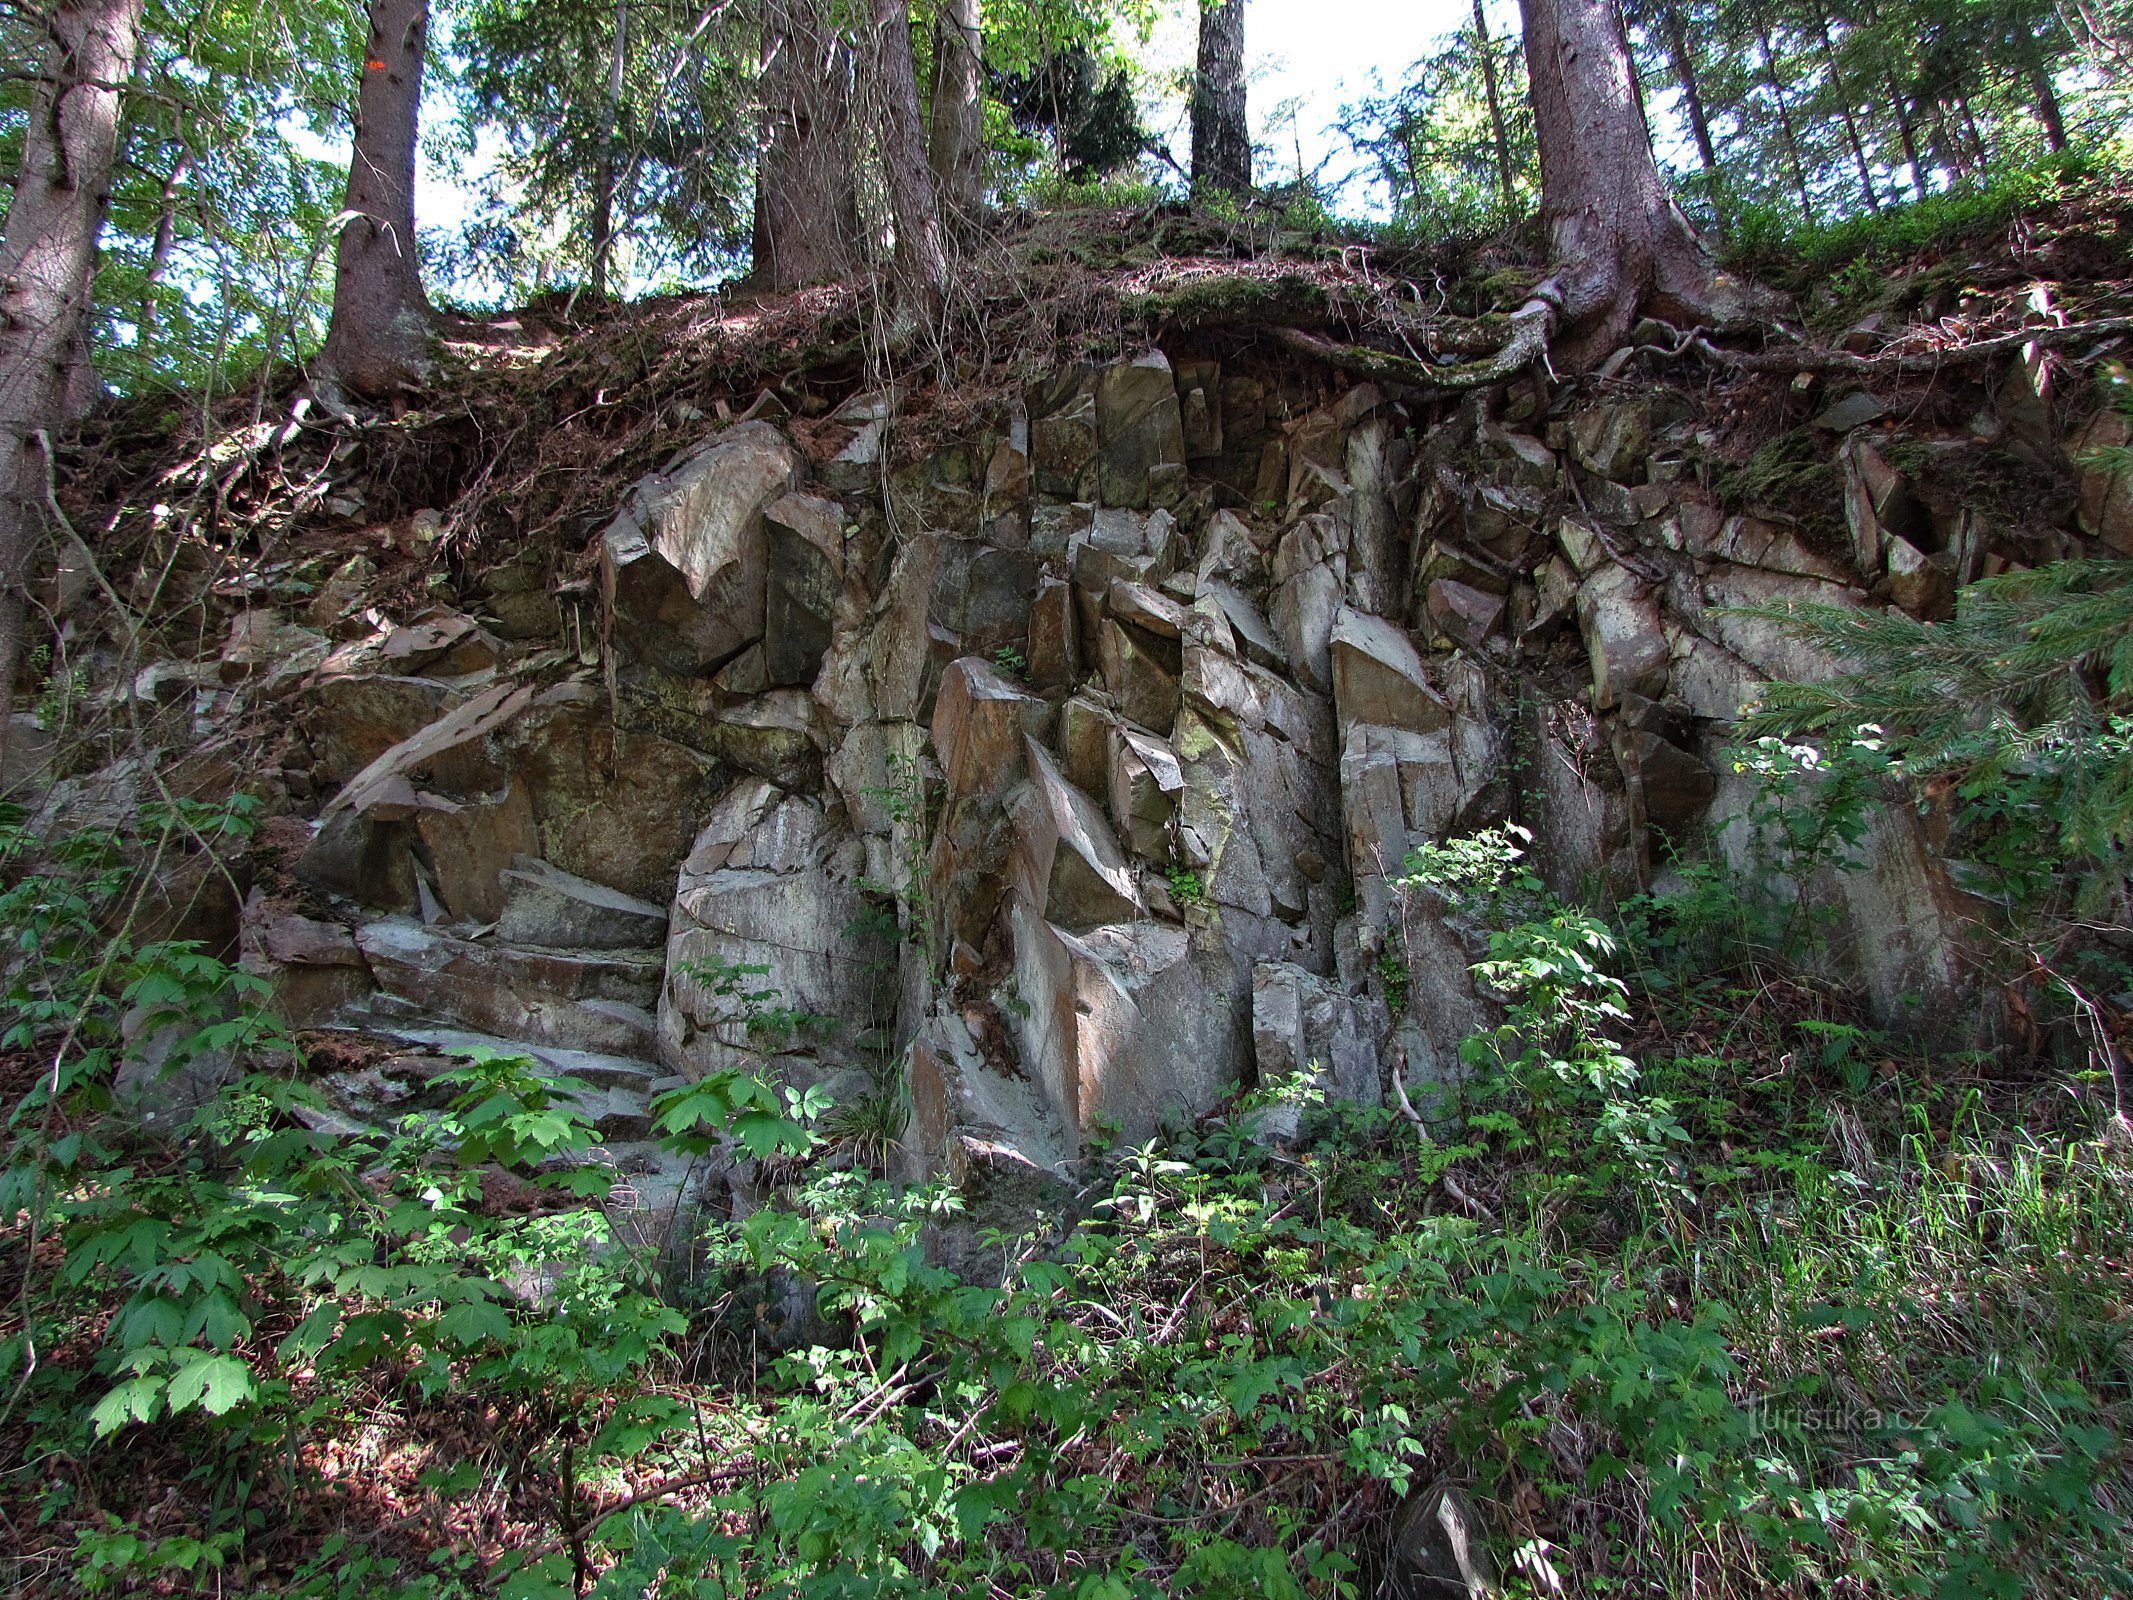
column 1677, row 43
column 1909, row 132
column 159, row 253
column 1618, row 243
column 48, row 270
column 378, row 341
column 1784, row 111
column 1504, row 173
column 608, row 178
column 921, row 256
column 2048, row 112
column 1977, row 134
column 1851, row 123
column 1221, row 138
column 956, row 140
column 807, row 193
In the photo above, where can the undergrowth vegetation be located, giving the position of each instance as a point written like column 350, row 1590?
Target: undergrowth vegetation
column 1698, row 1284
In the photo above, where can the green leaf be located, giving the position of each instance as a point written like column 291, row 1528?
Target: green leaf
column 213, row 1382
column 473, row 1321
column 135, row 1400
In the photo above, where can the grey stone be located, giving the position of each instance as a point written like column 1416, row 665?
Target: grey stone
column 580, row 1001
column 980, row 722
column 2106, row 506
column 1304, row 611
column 1618, row 613
column 682, row 566
column 1378, row 676
column 1613, row 438
column 1140, row 431
column 1054, row 652
column 1854, row 410
column 1465, row 615
column 1067, row 859
column 545, row 905
column 1439, row 1548
column 1254, row 637
column 1122, row 1023
column 1923, row 585
column 1144, row 784
column 774, row 736
column 1770, row 647
column 1141, row 671
column 1063, row 449
column 1305, row 1030
column 802, row 916
column 805, row 569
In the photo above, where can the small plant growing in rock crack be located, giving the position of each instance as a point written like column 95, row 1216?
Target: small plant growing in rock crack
column 1010, row 662
column 1392, row 972
column 752, row 1008
column 1185, row 886
column 904, row 798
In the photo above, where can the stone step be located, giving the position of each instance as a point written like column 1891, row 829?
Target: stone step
column 618, row 1088
column 598, row 1001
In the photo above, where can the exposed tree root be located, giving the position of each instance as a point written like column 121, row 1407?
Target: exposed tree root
column 1808, row 359
column 1529, row 328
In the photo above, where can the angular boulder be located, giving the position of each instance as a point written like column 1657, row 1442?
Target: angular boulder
column 683, row 567
column 803, row 570
column 1140, row 453
column 1378, row 677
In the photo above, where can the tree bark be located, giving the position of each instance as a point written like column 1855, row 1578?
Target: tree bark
column 1221, row 137
column 1618, row 242
column 956, row 138
column 378, row 340
column 1504, row 174
column 2048, row 112
column 1677, row 44
column 159, row 253
column 1851, row 123
column 1909, row 132
column 921, row 255
column 608, row 178
column 807, row 194
column 1784, row 111
column 48, row 270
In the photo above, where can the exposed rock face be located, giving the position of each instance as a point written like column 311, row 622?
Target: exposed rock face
column 1069, row 771
column 1124, row 1026
column 684, row 566
column 1304, row 1027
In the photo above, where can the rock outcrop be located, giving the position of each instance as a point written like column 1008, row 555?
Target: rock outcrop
column 1066, row 776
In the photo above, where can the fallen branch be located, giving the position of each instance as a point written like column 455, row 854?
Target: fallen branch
column 1474, row 1208
column 577, row 1531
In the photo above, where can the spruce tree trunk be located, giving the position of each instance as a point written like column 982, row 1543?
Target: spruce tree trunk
column 1909, row 132
column 1691, row 93
column 806, row 193
column 609, row 177
column 1504, row 175
column 1851, row 123
column 956, row 138
column 2047, row 98
column 1221, row 137
column 48, row 270
column 1784, row 111
column 921, row 256
column 378, row 340
column 1618, row 242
